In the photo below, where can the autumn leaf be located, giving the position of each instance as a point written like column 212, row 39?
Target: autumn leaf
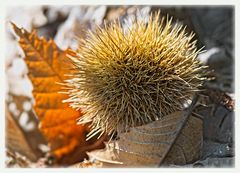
column 175, row 139
column 47, row 66
column 155, row 144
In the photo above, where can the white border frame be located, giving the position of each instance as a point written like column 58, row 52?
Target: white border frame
column 6, row 3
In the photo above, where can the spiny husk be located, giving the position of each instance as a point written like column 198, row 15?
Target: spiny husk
column 129, row 77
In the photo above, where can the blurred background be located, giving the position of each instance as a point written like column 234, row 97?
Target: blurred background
column 213, row 26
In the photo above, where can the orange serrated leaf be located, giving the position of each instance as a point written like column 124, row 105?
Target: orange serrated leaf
column 47, row 66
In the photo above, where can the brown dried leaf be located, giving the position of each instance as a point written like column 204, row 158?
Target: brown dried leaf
column 188, row 145
column 159, row 143
column 15, row 138
column 20, row 107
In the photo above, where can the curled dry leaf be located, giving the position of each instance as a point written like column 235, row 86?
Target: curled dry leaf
column 174, row 139
column 47, row 66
